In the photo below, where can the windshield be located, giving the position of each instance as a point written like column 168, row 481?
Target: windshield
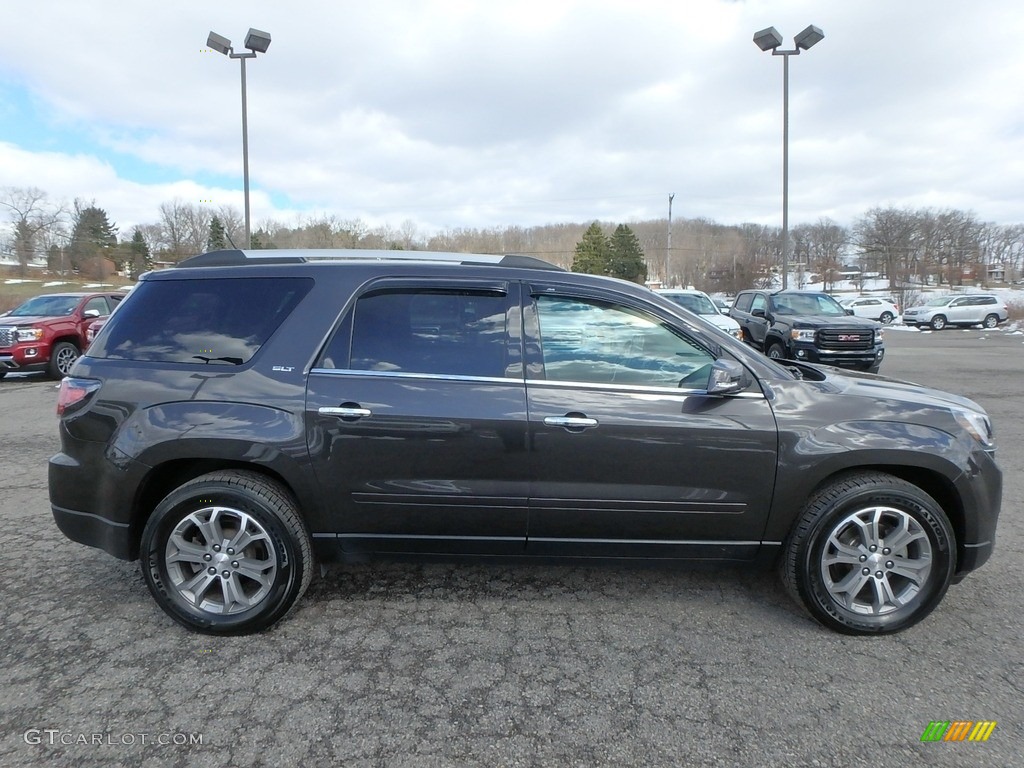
column 695, row 302
column 806, row 304
column 49, row 306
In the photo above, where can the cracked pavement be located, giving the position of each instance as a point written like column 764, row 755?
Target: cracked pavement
column 437, row 664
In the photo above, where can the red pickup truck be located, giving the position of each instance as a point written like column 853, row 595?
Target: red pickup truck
column 47, row 333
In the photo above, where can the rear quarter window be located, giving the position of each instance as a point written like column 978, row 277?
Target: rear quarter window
column 219, row 321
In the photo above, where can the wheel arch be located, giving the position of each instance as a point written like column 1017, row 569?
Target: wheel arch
column 931, row 481
column 70, row 338
column 164, row 478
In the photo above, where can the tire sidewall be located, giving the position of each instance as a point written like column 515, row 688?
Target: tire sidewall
column 940, row 535
column 172, row 511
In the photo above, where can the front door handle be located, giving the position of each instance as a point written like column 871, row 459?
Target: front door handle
column 346, row 412
column 570, row 422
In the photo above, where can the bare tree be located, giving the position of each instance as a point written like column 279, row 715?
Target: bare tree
column 31, row 215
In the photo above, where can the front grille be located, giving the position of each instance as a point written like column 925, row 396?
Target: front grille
column 7, row 336
column 846, row 338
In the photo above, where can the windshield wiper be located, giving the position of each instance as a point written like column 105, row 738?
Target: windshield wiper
column 208, row 360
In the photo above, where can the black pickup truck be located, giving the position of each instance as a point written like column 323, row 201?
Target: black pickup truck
column 808, row 326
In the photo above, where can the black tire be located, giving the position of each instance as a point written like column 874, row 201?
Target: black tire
column 62, row 357
column 814, row 568
column 886, row 318
column 990, row 321
column 775, row 351
column 186, row 543
column 938, row 322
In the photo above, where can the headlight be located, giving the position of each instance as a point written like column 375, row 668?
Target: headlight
column 30, row 334
column 880, row 334
column 977, row 424
column 802, row 334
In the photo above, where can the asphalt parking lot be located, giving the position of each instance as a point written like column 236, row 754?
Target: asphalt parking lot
column 449, row 664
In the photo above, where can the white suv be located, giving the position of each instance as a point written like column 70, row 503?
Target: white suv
column 962, row 310
column 874, row 307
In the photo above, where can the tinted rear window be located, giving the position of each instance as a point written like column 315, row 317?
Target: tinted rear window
column 220, row 321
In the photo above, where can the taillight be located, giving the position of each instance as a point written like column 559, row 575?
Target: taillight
column 74, row 393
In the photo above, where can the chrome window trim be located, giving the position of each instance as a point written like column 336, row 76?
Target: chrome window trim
column 626, row 388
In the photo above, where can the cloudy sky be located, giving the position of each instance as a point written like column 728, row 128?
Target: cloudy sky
column 476, row 113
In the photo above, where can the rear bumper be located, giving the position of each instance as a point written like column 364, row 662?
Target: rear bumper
column 95, row 531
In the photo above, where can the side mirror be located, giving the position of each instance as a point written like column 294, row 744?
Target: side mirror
column 849, row 311
column 725, row 377
column 91, row 313
column 757, row 312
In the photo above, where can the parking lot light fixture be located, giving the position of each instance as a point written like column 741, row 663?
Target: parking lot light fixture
column 256, row 41
column 769, row 39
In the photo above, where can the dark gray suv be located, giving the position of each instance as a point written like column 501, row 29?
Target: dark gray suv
column 249, row 412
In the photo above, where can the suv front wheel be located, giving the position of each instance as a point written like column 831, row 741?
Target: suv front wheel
column 62, row 357
column 938, row 322
column 871, row 554
column 227, row 553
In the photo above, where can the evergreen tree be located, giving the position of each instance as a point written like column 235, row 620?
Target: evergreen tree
column 139, row 257
column 626, row 259
column 216, row 241
column 593, row 252
column 93, row 239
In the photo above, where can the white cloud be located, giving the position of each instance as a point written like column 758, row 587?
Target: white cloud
column 473, row 113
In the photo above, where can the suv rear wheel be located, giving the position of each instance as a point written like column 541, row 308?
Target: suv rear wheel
column 990, row 321
column 886, row 318
column 226, row 553
column 871, row 554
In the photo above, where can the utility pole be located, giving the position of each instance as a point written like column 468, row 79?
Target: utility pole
column 668, row 246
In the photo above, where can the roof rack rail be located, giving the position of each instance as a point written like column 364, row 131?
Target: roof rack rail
column 238, row 257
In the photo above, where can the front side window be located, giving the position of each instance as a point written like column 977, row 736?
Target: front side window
column 213, row 321
column 592, row 341
column 98, row 304
column 455, row 332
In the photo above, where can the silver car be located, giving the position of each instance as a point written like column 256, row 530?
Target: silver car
column 958, row 310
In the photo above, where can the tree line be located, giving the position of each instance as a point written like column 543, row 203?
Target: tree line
column 907, row 246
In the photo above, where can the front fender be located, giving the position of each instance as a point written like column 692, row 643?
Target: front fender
column 808, row 459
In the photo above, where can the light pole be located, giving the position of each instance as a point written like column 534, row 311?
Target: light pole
column 769, row 40
column 256, row 42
